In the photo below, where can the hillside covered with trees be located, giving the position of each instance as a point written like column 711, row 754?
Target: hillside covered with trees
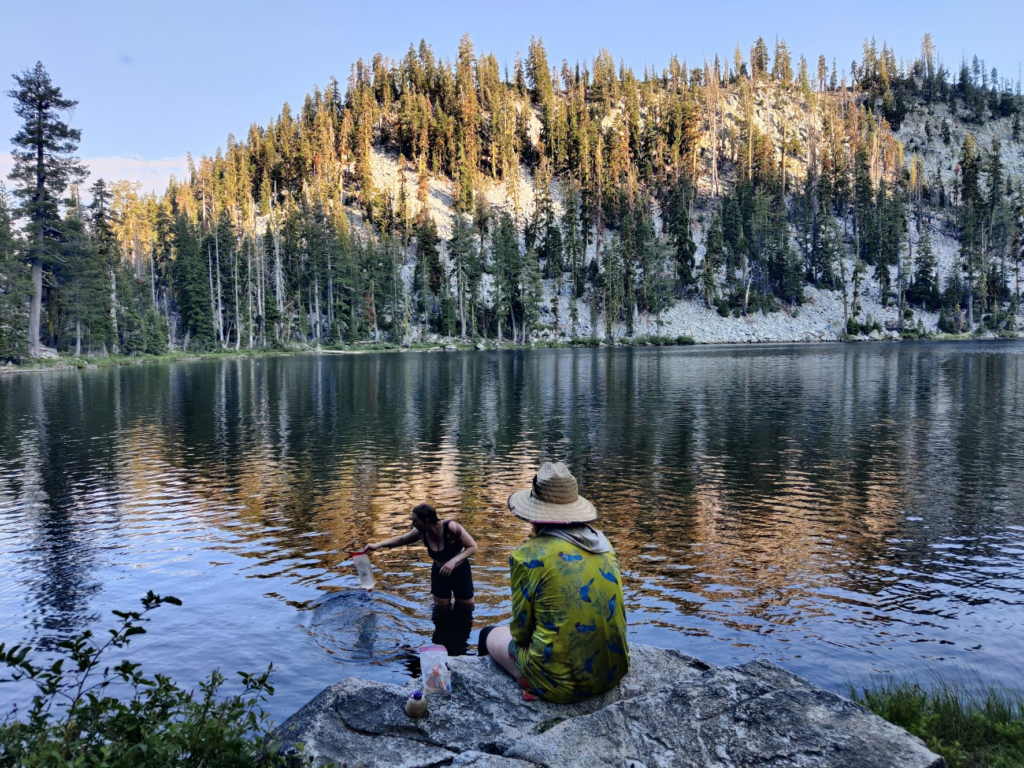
column 575, row 197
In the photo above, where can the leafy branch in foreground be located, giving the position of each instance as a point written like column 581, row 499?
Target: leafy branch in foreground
column 73, row 720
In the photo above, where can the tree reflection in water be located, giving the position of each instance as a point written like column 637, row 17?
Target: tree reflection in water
column 839, row 509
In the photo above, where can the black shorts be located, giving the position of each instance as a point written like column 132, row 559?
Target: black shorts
column 460, row 581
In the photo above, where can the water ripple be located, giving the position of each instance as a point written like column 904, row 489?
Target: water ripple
column 838, row 509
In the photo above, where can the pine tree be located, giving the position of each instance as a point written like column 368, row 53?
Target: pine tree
column 107, row 253
column 759, row 59
column 191, row 287
column 14, row 288
column 83, row 274
column 573, row 243
column 924, row 284
column 679, row 229
column 821, row 81
column 782, row 66
column 889, row 233
column 614, row 282
column 461, row 249
column 971, row 221
column 531, row 292
column 429, row 272
column 507, row 272
column 44, row 166
column 714, row 257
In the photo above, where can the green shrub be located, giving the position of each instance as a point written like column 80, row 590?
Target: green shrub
column 912, row 332
column 855, row 326
column 951, row 320
column 656, row 341
column 73, row 721
column 968, row 724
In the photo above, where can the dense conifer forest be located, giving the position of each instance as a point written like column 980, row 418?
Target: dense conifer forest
column 477, row 199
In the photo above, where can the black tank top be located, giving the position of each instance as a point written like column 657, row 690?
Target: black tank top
column 452, row 546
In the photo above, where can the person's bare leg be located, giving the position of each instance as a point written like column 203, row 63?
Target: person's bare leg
column 466, row 603
column 497, row 647
column 442, row 602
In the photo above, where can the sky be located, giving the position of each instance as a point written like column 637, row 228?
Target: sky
column 157, row 80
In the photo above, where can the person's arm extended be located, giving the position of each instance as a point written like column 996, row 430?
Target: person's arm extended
column 395, row 541
column 468, row 552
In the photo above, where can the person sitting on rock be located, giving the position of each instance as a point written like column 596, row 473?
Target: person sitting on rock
column 450, row 546
column 567, row 639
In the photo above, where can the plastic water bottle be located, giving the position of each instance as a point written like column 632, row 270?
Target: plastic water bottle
column 364, row 569
column 416, row 704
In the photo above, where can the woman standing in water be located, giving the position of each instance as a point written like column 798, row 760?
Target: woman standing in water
column 450, row 546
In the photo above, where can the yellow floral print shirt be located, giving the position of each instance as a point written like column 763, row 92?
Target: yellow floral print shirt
column 568, row 620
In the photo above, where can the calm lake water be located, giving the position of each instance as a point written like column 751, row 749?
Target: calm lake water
column 843, row 510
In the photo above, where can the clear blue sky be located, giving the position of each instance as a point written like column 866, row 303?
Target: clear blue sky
column 155, row 80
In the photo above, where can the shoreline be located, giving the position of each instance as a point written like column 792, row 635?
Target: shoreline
column 88, row 362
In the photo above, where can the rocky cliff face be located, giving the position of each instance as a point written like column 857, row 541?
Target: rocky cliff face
column 778, row 114
column 670, row 710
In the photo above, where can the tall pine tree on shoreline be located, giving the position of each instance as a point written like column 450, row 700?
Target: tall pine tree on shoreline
column 44, row 167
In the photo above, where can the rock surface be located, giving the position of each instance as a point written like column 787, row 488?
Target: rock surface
column 670, row 710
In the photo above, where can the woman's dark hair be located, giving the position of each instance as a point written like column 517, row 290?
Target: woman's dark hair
column 426, row 513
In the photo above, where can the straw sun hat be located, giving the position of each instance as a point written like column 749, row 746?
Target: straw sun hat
column 554, row 498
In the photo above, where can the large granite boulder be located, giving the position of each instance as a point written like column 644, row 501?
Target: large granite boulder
column 670, row 710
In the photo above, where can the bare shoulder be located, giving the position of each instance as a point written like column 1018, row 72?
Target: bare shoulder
column 454, row 527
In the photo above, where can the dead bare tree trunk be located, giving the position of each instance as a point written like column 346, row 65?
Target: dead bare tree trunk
column 36, row 305
column 114, row 348
column 497, row 303
column 249, row 286
column 238, row 321
column 220, row 305
column 213, row 301
column 316, row 300
column 152, row 276
column 713, row 93
column 461, row 288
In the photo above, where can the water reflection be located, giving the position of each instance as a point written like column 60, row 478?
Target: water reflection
column 838, row 509
column 452, row 627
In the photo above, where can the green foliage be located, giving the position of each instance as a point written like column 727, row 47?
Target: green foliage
column 44, row 167
column 84, row 297
column 73, row 720
column 507, row 266
column 670, row 341
column 951, row 320
column 924, row 285
column 911, row 332
column 14, row 288
column 677, row 212
column 970, row 725
column 856, row 327
column 192, row 278
column 253, row 246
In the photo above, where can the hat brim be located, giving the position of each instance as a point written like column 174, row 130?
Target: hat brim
column 525, row 506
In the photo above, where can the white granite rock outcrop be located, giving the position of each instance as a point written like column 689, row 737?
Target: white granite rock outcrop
column 670, row 710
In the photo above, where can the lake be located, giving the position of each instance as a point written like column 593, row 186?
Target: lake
column 843, row 510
